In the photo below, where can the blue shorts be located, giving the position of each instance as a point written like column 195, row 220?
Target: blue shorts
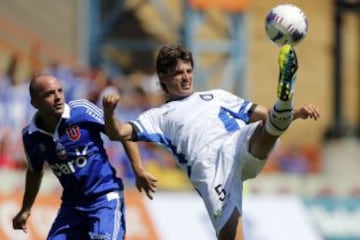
column 103, row 219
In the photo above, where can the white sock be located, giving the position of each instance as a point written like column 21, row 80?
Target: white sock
column 280, row 117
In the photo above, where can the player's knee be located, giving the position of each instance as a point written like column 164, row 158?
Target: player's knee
column 261, row 142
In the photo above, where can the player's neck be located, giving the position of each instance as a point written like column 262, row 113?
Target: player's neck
column 176, row 97
column 47, row 123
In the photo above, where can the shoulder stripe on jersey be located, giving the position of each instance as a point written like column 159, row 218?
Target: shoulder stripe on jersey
column 89, row 105
column 138, row 124
column 245, row 106
column 142, row 135
column 86, row 103
column 244, row 113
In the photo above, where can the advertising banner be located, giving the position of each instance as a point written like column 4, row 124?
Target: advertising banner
column 277, row 217
column 172, row 216
column 336, row 218
column 139, row 223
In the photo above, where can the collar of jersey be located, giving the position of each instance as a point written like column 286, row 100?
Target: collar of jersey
column 33, row 127
column 178, row 98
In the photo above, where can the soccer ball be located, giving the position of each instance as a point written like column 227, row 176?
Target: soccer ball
column 286, row 24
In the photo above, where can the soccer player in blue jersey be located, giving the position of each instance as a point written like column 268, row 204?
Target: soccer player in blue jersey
column 67, row 137
column 218, row 139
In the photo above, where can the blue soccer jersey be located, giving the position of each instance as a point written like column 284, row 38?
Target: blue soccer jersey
column 74, row 152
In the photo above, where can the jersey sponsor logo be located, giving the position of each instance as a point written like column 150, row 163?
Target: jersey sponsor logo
column 207, row 97
column 73, row 132
column 71, row 166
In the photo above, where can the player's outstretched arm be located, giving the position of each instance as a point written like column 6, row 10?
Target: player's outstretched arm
column 32, row 186
column 123, row 132
column 308, row 111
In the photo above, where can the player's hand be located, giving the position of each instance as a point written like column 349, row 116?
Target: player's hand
column 110, row 102
column 147, row 182
column 308, row 111
column 19, row 221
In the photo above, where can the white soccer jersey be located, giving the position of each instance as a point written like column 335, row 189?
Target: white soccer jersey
column 185, row 126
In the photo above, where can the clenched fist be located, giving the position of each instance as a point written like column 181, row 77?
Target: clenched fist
column 19, row 221
column 110, row 102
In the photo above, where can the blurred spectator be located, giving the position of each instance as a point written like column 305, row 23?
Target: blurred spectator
column 134, row 102
column 65, row 75
column 35, row 63
column 7, row 156
column 104, row 89
column 6, row 160
column 12, row 68
column 150, row 83
column 15, row 109
column 5, row 85
column 83, row 85
column 293, row 160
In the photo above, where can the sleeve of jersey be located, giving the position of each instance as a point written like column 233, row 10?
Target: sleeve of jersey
column 239, row 107
column 148, row 127
column 34, row 162
column 89, row 112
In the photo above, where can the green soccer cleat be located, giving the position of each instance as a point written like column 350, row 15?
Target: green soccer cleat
column 288, row 66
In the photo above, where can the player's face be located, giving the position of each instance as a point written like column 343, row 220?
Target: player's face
column 179, row 80
column 49, row 98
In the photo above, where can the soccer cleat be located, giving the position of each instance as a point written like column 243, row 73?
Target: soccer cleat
column 288, row 66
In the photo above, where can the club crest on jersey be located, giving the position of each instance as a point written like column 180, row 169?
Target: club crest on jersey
column 207, row 97
column 73, row 132
column 60, row 151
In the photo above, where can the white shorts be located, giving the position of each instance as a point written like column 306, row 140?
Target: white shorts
column 218, row 171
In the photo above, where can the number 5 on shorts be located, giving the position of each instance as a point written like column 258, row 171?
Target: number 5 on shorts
column 220, row 191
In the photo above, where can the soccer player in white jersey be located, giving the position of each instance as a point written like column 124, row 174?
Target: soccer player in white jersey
column 68, row 138
column 218, row 139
